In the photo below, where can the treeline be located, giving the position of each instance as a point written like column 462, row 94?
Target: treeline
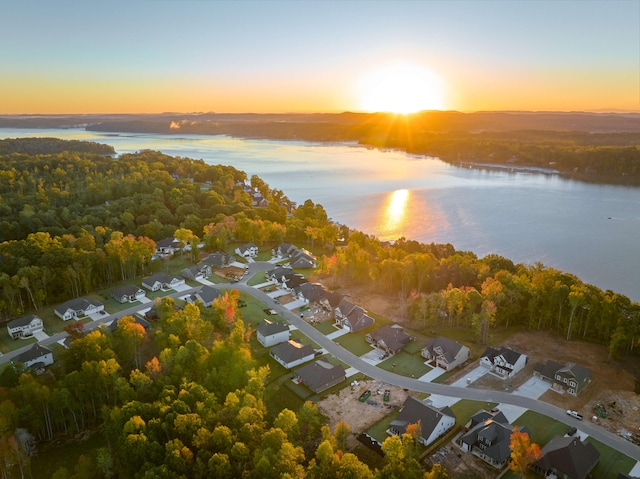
column 48, row 146
column 444, row 287
column 72, row 223
column 182, row 400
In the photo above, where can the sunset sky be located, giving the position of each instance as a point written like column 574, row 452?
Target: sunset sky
column 306, row 56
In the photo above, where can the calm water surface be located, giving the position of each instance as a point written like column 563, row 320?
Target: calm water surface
column 589, row 230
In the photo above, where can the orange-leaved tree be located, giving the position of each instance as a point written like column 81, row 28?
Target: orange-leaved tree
column 523, row 452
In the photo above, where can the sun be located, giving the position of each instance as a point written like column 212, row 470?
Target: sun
column 404, row 88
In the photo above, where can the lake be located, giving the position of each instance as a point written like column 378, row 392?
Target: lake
column 588, row 230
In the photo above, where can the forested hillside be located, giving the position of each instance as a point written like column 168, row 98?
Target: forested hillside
column 184, row 399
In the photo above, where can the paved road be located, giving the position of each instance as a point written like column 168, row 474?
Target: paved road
column 374, row 372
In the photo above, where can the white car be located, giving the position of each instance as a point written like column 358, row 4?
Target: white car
column 575, row 414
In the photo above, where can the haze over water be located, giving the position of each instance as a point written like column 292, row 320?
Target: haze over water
column 588, row 230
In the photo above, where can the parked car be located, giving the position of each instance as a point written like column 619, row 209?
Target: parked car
column 575, row 414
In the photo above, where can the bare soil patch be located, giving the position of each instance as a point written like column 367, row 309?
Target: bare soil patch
column 345, row 406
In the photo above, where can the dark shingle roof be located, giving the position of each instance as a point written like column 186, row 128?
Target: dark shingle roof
column 35, row 352
column 449, row 347
column 570, row 455
column 267, row 328
column 23, row 321
column 413, row 411
column 292, row 350
column 393, row 336
column 208, row 293
column 126, row 290
column 320, row 373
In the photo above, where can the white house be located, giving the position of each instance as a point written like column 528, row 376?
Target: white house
column 504, row 362
column 128, row 293
column 291, row 353
column 168, row 246
column 78, row 308
column 198, row 271
column 37, row 357
column 269, row 333
column 159, row 281
column 248, row 250
column 434, row 423
column 25, row 326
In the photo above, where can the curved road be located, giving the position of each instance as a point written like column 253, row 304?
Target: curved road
column 486, row 395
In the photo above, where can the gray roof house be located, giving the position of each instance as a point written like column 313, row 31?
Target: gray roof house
column 434, row 423
column 206, row 296
column 569, row 377
column 312, row 292
column 490, row 441
column 219, row 259
column 198, row 271
column 161, row 280
column 504, row 362
column 567, row 457
column 168, row 245
column 248, row 250
column 319, row 375
column 356, row 320
column 445, row 353
column 78, row 308
column 292, row 353
column 25, row 326
column 269, row 333
column 390, row 339
column 36, row 357
column 128, row 293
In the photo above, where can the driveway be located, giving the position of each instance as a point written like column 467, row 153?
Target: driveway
column 534, row 387
column 40, row 335
column 433, row 374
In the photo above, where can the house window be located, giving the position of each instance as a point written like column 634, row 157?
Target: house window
column 572, row 384
column 564, row 380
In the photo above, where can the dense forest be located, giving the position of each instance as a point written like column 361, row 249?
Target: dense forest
column 185, row 399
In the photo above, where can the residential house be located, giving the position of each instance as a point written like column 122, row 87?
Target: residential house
column 152, row 313
column 490, row 441
column 569, row 377
column 319, row 375
column 248, row 250
column 292, row 281
column 219, row 259
column 355, row 318
column 483, row 416
column 445, row 353
column 36, row 357
column 292, row 353
column 298, row 257
column 198, row 271
column 434, row 423
column 331, row 301
column 206, row 296
column 269, row 333
column 128, row 293
column 162, row 280
column 78, row 308
column 567, row 457
column 504, row 362
column 391, row 339
column 310, row 292
column 168, row 246
column 278, row 274
column 303, row 259
column 25, row 326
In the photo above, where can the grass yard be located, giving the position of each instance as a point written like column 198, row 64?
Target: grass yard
column 465, row 408
column 355, row 343
column 253, row 312
column 325, row 327
column 405, row 364
column 611, row 461
column 379, row 430
column 257, row 278
column 542, row 428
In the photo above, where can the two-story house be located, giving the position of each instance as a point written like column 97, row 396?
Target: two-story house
column 504, row 362
column 445, row 353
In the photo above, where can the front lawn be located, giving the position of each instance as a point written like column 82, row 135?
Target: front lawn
column 541, row 428
column 611, row 461
column 325, row 327
column 405, row 364
column 355, row 343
